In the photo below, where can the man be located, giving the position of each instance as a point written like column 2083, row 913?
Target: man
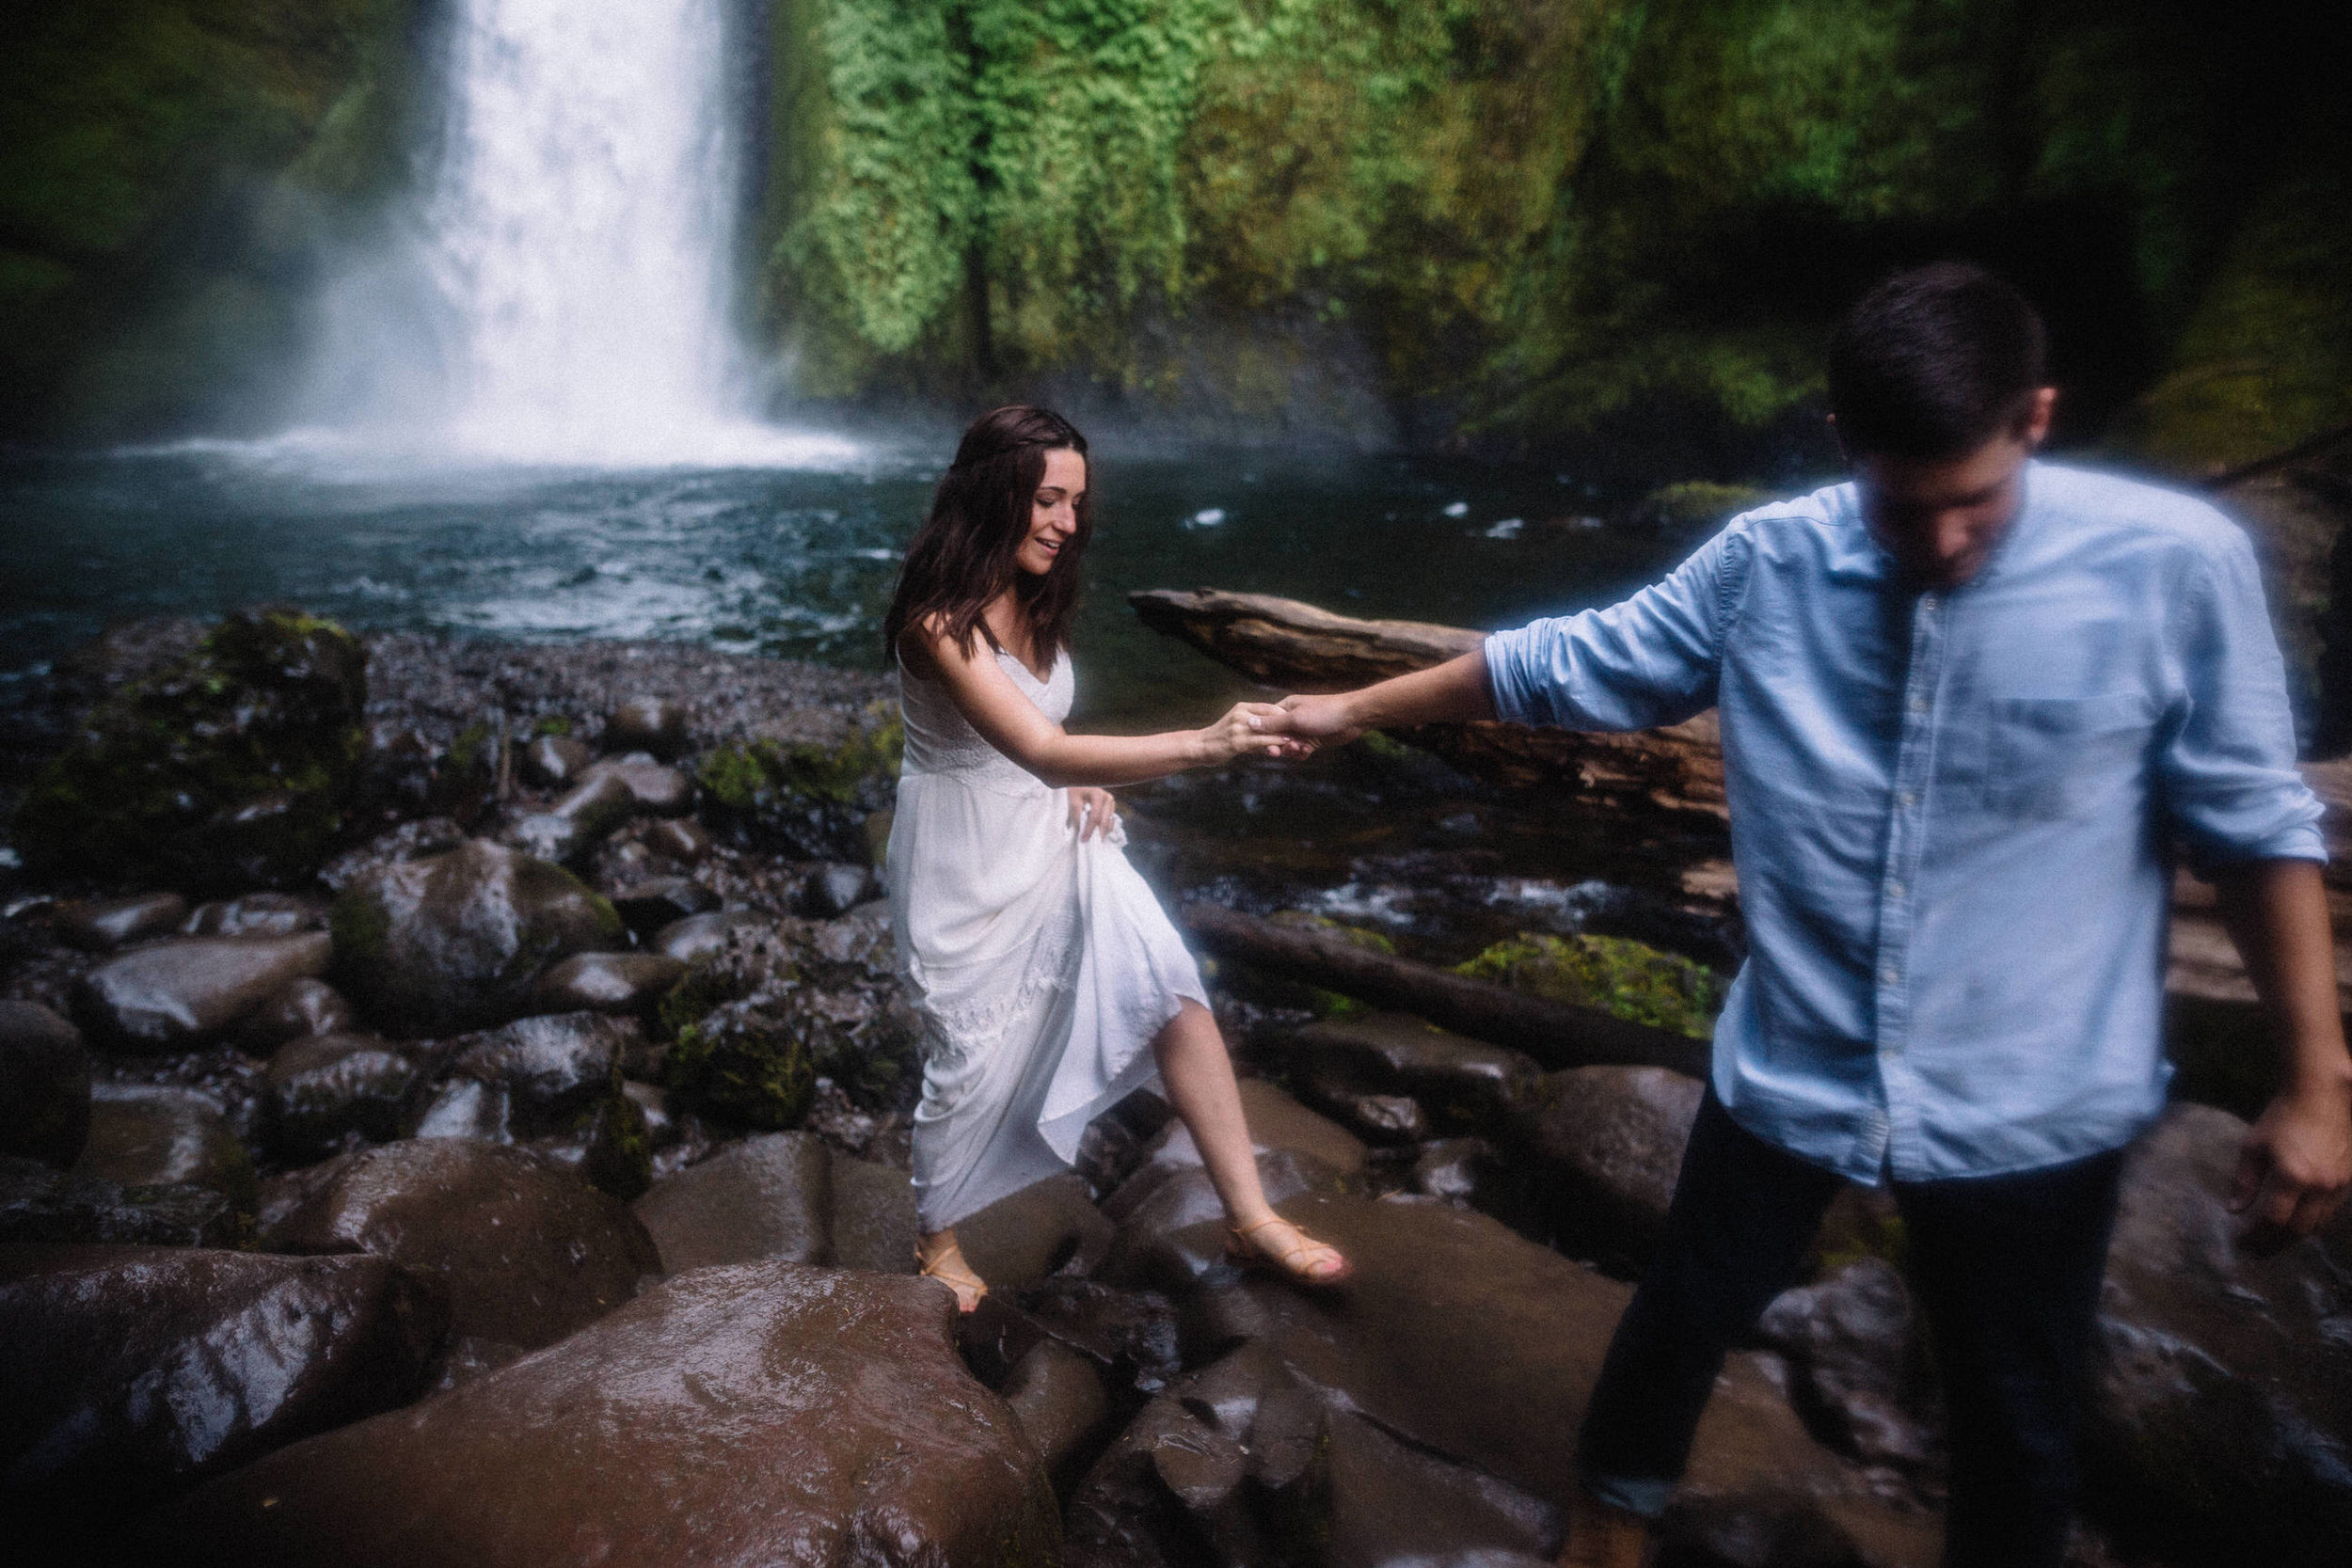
column 1972, row 706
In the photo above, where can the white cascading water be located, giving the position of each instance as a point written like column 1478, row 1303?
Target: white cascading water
column 575, row 242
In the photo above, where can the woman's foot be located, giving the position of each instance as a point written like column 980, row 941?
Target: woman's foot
column 940, row 1258
column 1275, row 1242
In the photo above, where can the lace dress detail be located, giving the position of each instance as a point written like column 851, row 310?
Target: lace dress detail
column 1041, row 967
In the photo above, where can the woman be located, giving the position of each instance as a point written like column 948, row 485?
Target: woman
column 1040, row 962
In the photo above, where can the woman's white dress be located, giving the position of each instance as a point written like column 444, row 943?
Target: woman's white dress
column 1043, row 967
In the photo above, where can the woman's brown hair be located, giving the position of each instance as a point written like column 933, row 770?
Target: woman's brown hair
column 963, row 556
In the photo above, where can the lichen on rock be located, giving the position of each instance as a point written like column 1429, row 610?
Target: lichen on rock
column 807, row 798
column 1618, row 974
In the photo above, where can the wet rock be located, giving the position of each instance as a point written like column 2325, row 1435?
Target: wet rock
column 654, row 789
column 806, row 800
column 1464, row 1085
column 466, row 1108
column 577, row 821
column 873, row 1216
column 653, row 1104
column 1859, row 1374
column 609, row 1146
column 527, row 1251
column 1046, row 1227
column 1129, row 1335
column 177, row 994
column 1605, row 1144
column 701, row 936
column 650, row 907
column 1458, row 1170
column 608, row 982
column 256, row 915
column 146, row 1135
column 288, row 1190
column 104, row 925
column 44, row 1086
column 836, row 889
column 1476, row 1347
column 302, row 1008
column 325, row 1086
column 1383, row 1118
column 759, row 1413
column 1618, row 974
column 744, row 1061
column 454, row 942
column 678, row 837
column 1058, row 1397
column 410, row 841
column 769, row 1196
column 2222, row 1409
column 232, row 767
column 395, row 775
column 553, row 761
column 651, row 724
column 552, row 1068
column 133, row 1371
column 40, row 1204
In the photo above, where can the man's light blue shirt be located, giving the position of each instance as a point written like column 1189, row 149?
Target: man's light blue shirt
column 1954, row 813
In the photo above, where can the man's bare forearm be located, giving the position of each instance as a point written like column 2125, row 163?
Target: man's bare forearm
column 2275, row 911
column 1453, row 693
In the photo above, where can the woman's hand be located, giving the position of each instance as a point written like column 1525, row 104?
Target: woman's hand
column 1251, row 729
column 1092, row 813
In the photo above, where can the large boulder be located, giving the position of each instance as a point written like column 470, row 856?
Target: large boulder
column 44, row 1086
column 1858, row 1365
column 874, row 1225
column 730, row 1418
column 132, row 1372
column 231, row 767
column 174, row 996
column 103, row 924
column 456, row 941
column 1043, row 1229
column 550, row 1070
column 325, row 1086
column 159, row 1134
column 1604, row 1145
column 1463, row 1085
column 767, row 1197
column 41, row 1204
column 527, row 1250
column 2222, row 1415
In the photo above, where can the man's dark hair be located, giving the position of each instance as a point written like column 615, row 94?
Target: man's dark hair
column 1933, row 363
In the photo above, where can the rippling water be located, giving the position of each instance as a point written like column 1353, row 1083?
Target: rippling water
column 797, row 562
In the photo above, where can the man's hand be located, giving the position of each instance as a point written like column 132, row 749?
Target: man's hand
column 1325, row 720
column 2294, row 1168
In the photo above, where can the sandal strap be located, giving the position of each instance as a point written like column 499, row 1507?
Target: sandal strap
column 1285, row 1257
column 946, row 1272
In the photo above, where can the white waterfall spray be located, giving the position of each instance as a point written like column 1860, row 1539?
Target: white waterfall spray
column 576, row 242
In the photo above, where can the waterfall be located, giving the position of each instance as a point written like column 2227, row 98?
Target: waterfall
column 573, row 247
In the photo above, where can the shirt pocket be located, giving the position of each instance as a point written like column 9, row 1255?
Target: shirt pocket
column 2052, row 757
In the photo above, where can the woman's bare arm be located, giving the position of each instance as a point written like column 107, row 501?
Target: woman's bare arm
column 1009, row 720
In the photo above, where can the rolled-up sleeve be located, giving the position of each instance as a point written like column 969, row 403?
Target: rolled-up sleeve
column 1647, row 660
column 2227, row 762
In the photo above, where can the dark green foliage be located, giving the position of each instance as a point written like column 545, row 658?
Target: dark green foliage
column 620, row 1149
column 1618, row 974
column 808, row 800
column 229, row 770
column 744, row 1062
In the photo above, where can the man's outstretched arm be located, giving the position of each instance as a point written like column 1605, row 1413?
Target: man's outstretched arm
column 1450, row 693
column 2297, row 1163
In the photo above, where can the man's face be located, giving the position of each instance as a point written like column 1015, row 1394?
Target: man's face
column 1941, row 518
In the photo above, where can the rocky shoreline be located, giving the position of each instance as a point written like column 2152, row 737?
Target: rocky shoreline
column 452, row 1110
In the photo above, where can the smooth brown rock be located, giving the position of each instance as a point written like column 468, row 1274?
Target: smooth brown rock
column 453, row 941
column 652, row 724
column 836, row 889
column 682, row 838
column 551, row 1068
column 256, row 915
column 1464, row 1086
column 103, row 924
column 527, row 1251
column 701, row 936
column 1605, row 1144
column 732, row 1418
column 325, row 1085
column 44, row 1086
column 654, row 788
column 466, row 1108
column 178, row 994
column 873, row 1216
column 554, row 760
column 608, row 982
column 1041, row 1230
column 578, row 819
column 769, row 1196
column 1058, row 1396
column 132, row 1372
column 1858, row 1367
column 41, row 1204
column 151, row 1134
column 302, row 1008
column 649, row 906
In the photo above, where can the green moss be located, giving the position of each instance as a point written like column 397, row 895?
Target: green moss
column 620, row 1147
column 550, row 723
column 744, row 1063
column 1616, row 975
column 811, row 800
column 1274, row 991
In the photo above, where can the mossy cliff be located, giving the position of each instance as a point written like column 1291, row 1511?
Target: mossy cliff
column 168, row 168
column 1523, row 220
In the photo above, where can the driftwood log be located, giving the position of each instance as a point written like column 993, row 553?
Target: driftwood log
column 1299, row 647
column 1556, row 1034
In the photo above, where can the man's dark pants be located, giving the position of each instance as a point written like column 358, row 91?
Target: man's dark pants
column 2006, row 1269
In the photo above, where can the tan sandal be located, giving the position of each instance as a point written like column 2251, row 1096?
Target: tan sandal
column 956, row 1275
column 1291, row 1261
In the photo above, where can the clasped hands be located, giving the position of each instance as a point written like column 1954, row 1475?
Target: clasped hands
column 1294, row 727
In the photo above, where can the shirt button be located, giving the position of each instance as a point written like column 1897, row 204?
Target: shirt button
column 1908, row 799
column 1895, row 889
column 1886, row 977
column 1918, row 705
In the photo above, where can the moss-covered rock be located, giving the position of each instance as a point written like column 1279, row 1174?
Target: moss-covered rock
column 230, row 769
column 1618, row 974
column 809, row 800
column 620, row 1146
column 745, row 1062
column 1273, row 990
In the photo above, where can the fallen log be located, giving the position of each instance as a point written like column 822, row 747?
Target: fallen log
column 1299, row 647
column 1556, row 1034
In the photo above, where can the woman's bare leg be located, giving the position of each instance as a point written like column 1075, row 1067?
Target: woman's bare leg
column 938, row 1256
column 1199, row 1079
